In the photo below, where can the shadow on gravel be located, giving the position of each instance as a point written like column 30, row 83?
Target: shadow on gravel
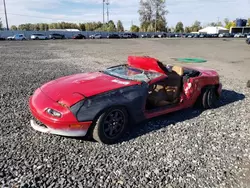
column 154, row 124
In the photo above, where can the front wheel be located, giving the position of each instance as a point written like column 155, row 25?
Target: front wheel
column 111, row 125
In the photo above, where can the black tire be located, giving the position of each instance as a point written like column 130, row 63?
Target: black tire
column 106, row 120
column 204, row 99
column 212, row 98
column 209, row 98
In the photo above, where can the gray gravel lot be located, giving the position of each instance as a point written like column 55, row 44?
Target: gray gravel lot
column 185, row 149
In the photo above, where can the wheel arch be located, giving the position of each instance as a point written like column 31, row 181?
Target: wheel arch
column 105, row 109
column 203, row 89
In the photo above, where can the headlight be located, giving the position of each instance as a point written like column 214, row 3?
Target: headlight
column 53, row 112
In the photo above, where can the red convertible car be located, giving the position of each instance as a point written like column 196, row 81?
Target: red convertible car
column 102, row 104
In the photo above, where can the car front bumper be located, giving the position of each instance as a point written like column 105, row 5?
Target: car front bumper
column 62, row 132
column 67, row 125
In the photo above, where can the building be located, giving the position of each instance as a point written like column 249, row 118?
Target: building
column 240, row 29
column 214, row 30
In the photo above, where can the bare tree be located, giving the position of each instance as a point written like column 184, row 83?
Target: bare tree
column 153, row 12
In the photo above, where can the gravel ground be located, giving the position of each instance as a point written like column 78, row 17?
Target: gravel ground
column 185, row 149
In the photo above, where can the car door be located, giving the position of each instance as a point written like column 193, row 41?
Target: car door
column 162, row 109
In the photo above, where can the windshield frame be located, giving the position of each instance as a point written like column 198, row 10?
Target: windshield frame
column 146, row 73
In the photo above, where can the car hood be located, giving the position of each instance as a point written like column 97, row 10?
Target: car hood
column 69, row 90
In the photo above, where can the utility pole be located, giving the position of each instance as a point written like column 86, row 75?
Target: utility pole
column 107, row 3
column 6, row 18
column 103, row 4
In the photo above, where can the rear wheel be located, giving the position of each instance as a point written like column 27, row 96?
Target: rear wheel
column 209, row 98
column 110, row 125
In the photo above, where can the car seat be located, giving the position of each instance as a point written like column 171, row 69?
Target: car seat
column 174, row 86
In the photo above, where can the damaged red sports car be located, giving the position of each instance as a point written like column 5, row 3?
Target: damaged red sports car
column 102, row 104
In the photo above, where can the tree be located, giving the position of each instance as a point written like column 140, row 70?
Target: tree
column 13, row 27
column 111, row 26
column 196, row 26
column 82, row 27
column 188, row 30
column 150, row 28
column 179, row 27
column 153, row 11
column 230, row 24
column 134, row 28
column 144, row 26
column 214, row 24
column 248, row 21
column 226, row 21
column 119, row 26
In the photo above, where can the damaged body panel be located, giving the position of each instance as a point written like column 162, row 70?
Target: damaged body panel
column 133, row 98
column 105, row 102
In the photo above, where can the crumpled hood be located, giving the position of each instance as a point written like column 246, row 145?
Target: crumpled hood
column 71, row 89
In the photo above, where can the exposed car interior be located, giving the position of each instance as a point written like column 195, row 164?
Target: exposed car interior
column 167, row 92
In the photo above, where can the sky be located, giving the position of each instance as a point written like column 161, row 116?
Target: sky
column 80, row 11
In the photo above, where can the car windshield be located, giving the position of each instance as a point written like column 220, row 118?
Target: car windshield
column 131, row 73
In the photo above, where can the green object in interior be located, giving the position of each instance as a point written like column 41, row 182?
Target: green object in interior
column 191, row 60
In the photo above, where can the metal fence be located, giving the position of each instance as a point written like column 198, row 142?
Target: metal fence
column 67, row 34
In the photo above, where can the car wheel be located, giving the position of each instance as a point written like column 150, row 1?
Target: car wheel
column 209, row 98
column 110, row 125
column 212, row 98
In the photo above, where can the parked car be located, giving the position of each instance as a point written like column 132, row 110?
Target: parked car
column 38, row 36
column 147, row 35
column 96, row 36
column 56, row 36
column 113, row 36
column 79, row 36
column 248, row 40
column 126, row 35
column 248, row 36
column 2, row 38
column 162, row 35
column 154, row 36
column 224, row 35
column 17, row 37
column 239, row 35
column 102, row 104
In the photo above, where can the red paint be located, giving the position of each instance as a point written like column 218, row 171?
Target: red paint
column 190, row 94
column 38, row 104
column 145, row 63
column 68, row 89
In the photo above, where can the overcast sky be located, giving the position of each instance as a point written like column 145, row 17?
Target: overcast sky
column 187, row 11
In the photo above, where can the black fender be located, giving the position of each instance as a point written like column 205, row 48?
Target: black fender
column 132, row 98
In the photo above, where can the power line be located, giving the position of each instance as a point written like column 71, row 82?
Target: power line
column 25, row 15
